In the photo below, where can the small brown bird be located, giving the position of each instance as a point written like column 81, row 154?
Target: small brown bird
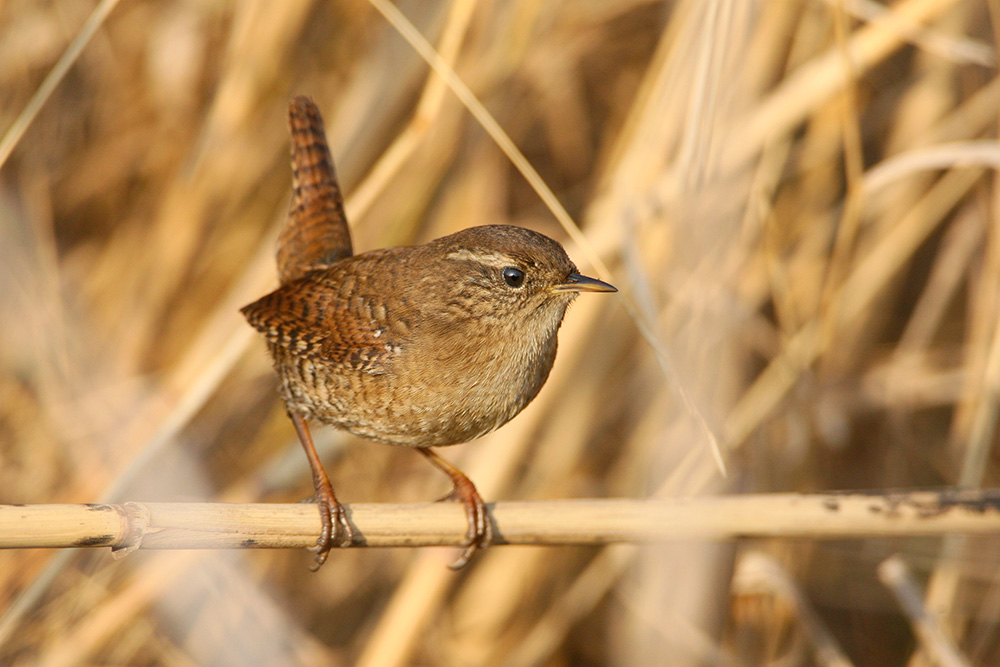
column 423, row 346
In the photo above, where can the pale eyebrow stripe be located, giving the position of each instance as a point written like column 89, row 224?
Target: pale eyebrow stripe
column 489, row 258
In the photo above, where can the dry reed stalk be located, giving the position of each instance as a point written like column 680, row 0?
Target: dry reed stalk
column 432, row 98
column 894, row 573
column 759, row 573
column 838, row 336
column 134, row 525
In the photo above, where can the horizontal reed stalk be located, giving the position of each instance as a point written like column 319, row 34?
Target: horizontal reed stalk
column 133, row 525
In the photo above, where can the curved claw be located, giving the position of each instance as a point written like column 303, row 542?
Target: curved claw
column 480, row 532
column 336, row 530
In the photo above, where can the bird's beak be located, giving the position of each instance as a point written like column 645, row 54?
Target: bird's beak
column 577, row 283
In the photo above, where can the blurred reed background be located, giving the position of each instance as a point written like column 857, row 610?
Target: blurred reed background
column 798, row 197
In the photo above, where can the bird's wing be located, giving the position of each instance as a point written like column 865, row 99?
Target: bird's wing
column 315, row 233
column 311, row 318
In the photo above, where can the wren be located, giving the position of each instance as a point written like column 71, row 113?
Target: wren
column 422, row 346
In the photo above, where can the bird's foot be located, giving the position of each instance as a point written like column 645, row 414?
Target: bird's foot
column 336, row 529
column 480, row 532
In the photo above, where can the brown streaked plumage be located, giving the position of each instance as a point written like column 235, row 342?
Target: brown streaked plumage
column 422, row 346
column 315, row 232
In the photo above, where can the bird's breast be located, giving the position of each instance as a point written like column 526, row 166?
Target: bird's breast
column 473, row 387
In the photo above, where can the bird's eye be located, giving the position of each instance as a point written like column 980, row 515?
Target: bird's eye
column 513, row 277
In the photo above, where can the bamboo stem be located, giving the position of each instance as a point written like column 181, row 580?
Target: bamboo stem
column 132, row 525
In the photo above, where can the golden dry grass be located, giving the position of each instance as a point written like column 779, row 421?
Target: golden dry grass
column 797, row 198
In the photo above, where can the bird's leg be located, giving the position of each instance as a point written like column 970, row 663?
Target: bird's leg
column 336, row 529
column 480, row 532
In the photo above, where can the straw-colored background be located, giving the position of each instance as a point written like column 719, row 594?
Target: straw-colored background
column 797, row 197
